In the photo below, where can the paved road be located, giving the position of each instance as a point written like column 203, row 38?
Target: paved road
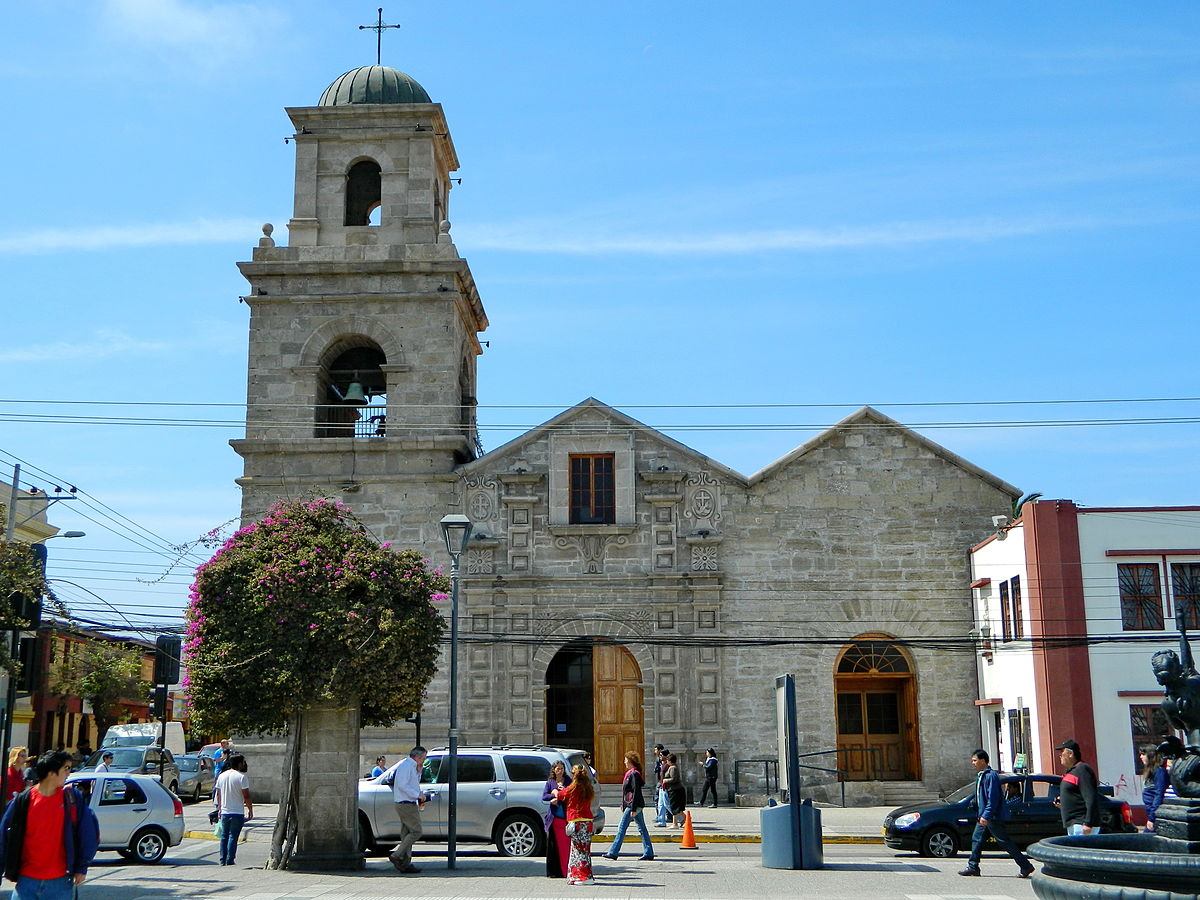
column 715, row 871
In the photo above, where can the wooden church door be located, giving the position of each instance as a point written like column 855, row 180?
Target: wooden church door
column 617, row 698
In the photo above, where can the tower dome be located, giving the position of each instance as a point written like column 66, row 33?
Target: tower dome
column 373, row 84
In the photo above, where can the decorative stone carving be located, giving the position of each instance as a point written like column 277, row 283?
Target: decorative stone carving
column 591, row 547
column 704, row 557
column 481, row 562
column 704, row 500
column 482, row 501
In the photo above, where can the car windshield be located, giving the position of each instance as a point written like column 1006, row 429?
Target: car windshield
column 127, row 740
column 187, row 763
column 122, row 758
column 966, row 792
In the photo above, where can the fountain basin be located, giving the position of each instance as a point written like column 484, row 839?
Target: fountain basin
column 1116, row 867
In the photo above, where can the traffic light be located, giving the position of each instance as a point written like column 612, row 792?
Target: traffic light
column 31, row 674
column 160, row 701
column 166, row 659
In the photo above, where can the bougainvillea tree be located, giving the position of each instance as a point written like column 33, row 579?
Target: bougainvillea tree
column 303, row 608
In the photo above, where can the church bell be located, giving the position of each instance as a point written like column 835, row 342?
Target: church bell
column 355, row 394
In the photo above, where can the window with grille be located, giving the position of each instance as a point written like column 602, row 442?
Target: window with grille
column 1185, row 585
column 593, row 494
column 866, row 657
column 1141, row 597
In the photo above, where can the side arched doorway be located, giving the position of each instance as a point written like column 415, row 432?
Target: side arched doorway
column 594, row 703
column 876, row 692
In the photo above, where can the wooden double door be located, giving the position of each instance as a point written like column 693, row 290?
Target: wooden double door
column 877, row 731
column 594, row 703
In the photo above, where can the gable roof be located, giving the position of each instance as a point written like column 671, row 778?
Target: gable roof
column 567, row 421
column 870, row 416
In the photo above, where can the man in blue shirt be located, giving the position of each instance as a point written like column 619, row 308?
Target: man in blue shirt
column 989, row 797
column 406, row 792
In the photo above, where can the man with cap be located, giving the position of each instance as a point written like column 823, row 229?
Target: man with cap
column 1078, row 796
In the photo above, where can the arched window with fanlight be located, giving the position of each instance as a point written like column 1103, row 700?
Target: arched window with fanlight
column 364, row 193
column 352, row 390
column 875, row 689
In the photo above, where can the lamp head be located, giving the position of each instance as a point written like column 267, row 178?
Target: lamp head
column 456, row 530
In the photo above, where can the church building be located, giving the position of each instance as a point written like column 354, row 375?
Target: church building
column 621, row 589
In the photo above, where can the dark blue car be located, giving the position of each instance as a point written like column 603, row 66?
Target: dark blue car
column 942, row 829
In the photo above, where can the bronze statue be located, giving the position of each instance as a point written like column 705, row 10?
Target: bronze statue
column 1181, row 683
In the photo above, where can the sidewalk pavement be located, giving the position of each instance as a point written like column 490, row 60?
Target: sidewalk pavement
column 725, row 824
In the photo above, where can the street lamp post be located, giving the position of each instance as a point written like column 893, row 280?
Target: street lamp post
column 456, row 530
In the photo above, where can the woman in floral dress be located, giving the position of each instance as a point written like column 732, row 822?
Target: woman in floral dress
column 577, row 798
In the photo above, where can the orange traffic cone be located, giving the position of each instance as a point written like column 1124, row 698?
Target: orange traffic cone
column 688, row 841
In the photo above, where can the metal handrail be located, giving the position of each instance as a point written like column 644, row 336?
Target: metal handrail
column 871, row 770
column 767, row 764
column 841, row 781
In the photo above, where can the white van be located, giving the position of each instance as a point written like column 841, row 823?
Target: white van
column 143, row 734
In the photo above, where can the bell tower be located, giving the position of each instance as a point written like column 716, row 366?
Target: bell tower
column 364, row 328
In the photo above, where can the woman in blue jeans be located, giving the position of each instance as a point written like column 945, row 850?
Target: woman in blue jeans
column 232, row 796
column 632, row 804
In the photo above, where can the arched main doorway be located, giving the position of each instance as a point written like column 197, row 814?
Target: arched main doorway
column 594, row 702
column 877, row 712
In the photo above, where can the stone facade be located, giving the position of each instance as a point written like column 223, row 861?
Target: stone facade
column 713, row 582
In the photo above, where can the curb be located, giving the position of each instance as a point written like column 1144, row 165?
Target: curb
column 656, row 839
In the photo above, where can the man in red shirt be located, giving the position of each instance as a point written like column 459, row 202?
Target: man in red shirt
column 48, row 835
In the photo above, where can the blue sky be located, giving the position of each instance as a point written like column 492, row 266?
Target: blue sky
column 699, row 205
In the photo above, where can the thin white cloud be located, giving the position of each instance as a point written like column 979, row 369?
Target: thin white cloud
column 206, row 34
column 100, row 345
column 555, row 238
column 117, row 237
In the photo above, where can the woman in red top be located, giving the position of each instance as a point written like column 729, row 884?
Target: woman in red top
column 18, row 761
column 578, row 796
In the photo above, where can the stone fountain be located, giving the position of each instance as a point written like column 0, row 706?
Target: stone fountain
column 1159, row 865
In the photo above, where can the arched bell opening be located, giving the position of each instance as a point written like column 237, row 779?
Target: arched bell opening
column 878, row 737
column 352, row 390
column 364, row 193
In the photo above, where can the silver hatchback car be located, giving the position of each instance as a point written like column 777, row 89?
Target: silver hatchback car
column 139, row 818
column 499, row 799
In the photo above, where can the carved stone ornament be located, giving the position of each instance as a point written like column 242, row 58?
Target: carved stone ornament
column 481, row 562
column 704, row 499
column 591, row 547
column 481, row 499
column 704, row 558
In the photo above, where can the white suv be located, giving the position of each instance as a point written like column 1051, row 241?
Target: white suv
column 499, row 798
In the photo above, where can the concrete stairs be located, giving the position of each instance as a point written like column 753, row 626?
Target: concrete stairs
column 903, row 793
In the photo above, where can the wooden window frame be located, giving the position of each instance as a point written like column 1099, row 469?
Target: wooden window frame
column 592, row 495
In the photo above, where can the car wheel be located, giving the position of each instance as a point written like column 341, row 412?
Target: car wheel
column 520, row 835
column 148, row 846
column 366, row 841
column 196, row 793
column 939, row 842
column 174, row 788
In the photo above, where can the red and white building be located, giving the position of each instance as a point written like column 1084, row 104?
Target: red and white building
column 1070, row 604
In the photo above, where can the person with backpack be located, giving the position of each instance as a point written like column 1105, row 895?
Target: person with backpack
column 49, row 835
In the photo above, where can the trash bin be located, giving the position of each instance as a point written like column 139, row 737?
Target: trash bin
column 781, row 847
column 812, row 851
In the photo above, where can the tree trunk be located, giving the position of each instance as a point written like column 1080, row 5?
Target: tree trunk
column 283, row 839
column 318, row 805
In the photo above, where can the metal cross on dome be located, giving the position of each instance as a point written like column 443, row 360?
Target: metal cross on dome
column 378, row 28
